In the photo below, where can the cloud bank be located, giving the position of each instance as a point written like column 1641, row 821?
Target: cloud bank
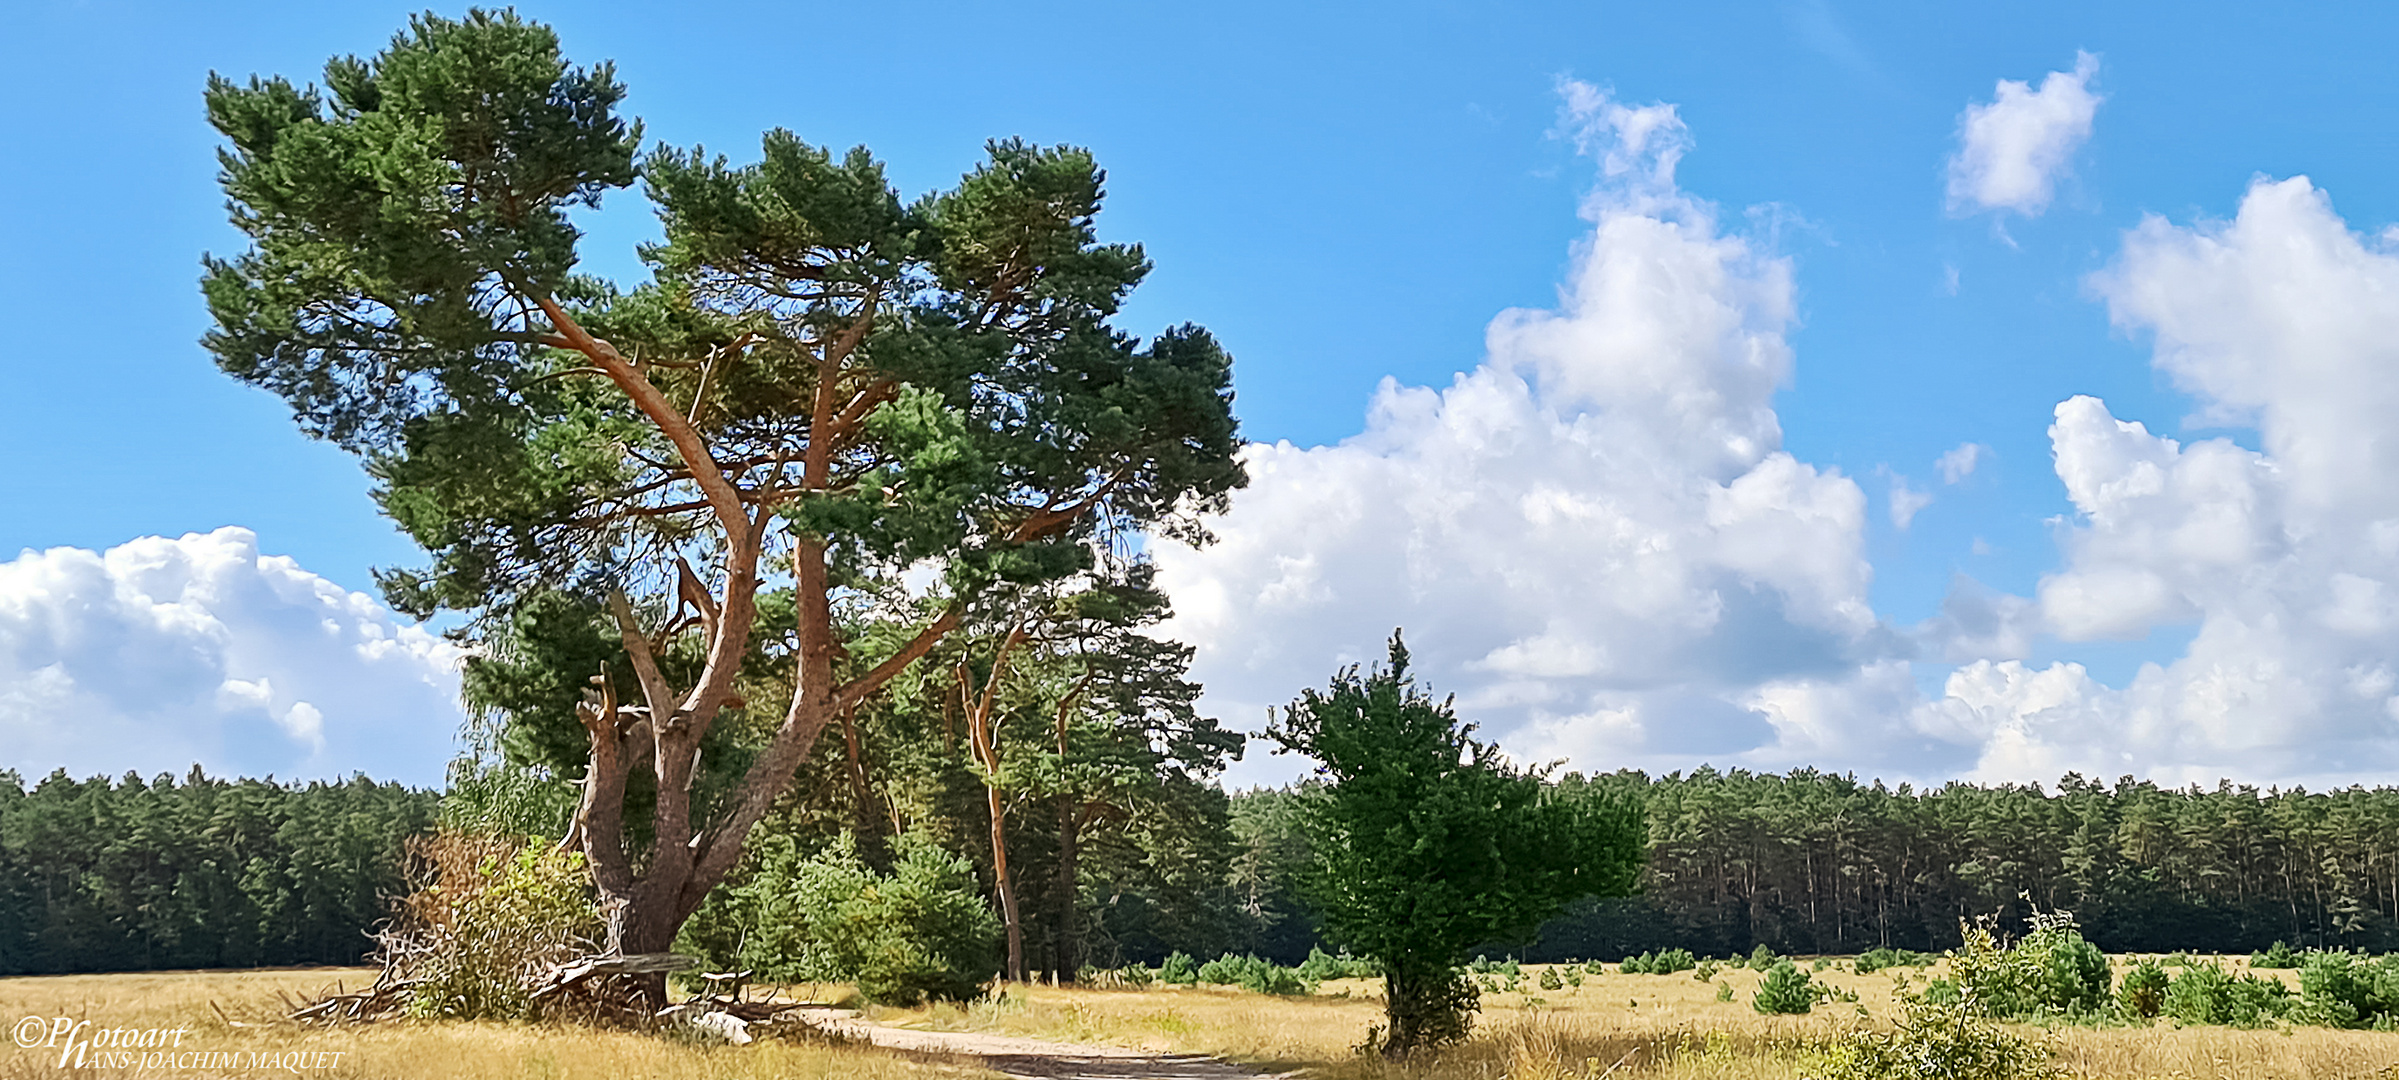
column 158, row 654
column 2012, row 149
column 1594, row 537
column 2284, row 558
column 1595, row 540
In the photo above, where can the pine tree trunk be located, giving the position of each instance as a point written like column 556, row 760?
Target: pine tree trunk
column 1007, row 885
column 1070, row 960
column 983, row 735
column 872, row 845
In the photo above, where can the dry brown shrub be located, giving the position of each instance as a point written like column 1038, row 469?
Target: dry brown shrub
column 489, row 921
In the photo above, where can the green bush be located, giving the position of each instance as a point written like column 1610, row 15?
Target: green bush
column 1178, row 967
column 922, row 931
column 1255, row 975
column 1706, row 971
column 1951, row 1040
column 1786, row 991
column 2142, row 995
column 1660, row 963
column 2276, row 956
column 2345, row 989
column 2205, row 994
column 1319, row 967
column 1877, row 959
column 2072, row 975
column 1484, row 965
column 1762, row 958
column 1550, row 981
column 2051, row 971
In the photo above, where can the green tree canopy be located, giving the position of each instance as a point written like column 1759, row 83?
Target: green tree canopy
column 829, row 403
column 1428, row 843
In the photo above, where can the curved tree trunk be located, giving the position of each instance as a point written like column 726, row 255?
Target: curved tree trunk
column 982, row 734
column 1007, row 885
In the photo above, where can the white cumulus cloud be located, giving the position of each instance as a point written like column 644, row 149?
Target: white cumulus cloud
column 2283, row 561
column 158, row 654
column 1958, row 464
column 1906, row 501
column 2012, row 149
column 1596, row 541
column 1594, row 537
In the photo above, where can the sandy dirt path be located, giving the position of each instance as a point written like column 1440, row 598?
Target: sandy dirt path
column 1038, row 1059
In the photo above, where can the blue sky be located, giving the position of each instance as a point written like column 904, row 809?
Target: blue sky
column 1344, row 194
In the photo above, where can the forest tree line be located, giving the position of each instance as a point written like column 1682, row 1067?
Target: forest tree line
column 1813, row 862
column 98, row 875
column 148, row 874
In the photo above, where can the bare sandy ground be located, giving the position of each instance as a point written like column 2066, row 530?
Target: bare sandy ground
column 1035, row 1059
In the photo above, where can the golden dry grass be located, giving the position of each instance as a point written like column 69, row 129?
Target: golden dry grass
column 1653, row 1027
column 1667, row 1027
column 399, row 1050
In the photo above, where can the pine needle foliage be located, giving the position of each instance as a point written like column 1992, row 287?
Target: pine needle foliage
column 1429, row 843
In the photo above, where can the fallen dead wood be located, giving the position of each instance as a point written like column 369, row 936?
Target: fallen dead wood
column 569, row 974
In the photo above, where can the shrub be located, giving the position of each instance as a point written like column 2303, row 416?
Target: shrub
column 1873, row 960
column 487, row 921
column 2142, row 995
column 2070, row 974
column 1706, row 971
column 1990, row 979
column 1319, row 967
column 925, row 931
column 1786, row 991
column 1484, row 965
column 2053, row 970
column 1661, row 963
column 1178, row 967
column 1277, row 979
column 2276, row 956
column 1762, row 958
column 1596, row 967
column 1550, row 980
column 1255, row 975
column 2205, row 994
column 2344, row 989
column 1724, row 991
column 1953, row 1040
column 922, row 931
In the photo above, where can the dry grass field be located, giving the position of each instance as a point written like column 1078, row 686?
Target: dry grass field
column 1615, row 1026
column 396, row 1051
column 1646, row 1026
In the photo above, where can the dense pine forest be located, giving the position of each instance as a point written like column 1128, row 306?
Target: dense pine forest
column 1816, row 863
column 135, row 874
column 1809, row 862
column 98, row 875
